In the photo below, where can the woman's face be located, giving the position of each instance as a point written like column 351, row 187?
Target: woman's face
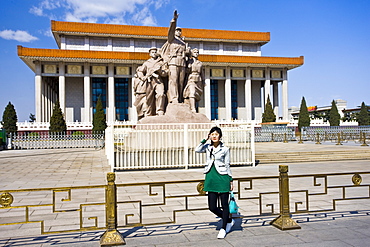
column 214, row 136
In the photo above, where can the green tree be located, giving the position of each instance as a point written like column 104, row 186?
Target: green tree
column 10, row 119
column 363, row 117
column 99, row 121
column 304, row 116
column 57, row 122
column 334, row 117
column 268, row 115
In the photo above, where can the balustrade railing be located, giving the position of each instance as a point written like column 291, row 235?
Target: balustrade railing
column 151, row 146
column 57, row 140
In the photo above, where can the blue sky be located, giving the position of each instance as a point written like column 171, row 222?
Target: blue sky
column 332, row 35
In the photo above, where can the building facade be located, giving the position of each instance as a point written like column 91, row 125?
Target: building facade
column 100, row 60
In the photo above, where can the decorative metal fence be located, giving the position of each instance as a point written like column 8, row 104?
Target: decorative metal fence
column 320, row 134
column 337, row 134
column 84, row 208
column 276, row 134
column 46, row 141
column 151, row 146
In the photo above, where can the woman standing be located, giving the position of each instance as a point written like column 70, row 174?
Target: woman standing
column 218, row 181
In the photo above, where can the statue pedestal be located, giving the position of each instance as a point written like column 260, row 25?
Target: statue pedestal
column 176, row 113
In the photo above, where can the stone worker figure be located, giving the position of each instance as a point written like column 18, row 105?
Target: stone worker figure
column 174, row 53
column 149, row 77
column 195, row 84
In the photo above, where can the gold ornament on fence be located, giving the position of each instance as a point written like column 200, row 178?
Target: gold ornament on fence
column 6, row 199
column 356, row 179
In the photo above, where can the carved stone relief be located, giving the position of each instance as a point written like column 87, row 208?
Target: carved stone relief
column 237, row 73
column 257, row 73
column 99, row 70
column 217, row 73
column 50, row 69
column 122, row 70
column 74, row 69
column 276, row 74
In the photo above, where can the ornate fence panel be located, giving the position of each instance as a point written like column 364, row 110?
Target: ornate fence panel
column 150, row 146
column 45, row 141
column 54, row 210
column 83, row 208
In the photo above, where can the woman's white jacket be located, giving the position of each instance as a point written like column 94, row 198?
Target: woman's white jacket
column 220, row 156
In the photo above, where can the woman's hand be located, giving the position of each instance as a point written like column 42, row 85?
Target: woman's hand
column 231, row 186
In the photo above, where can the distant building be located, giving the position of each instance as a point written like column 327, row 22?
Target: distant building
column 100, row 60
column 321, row 111
column 341, row 105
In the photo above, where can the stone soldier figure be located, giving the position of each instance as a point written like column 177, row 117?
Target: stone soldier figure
column 174, row 53
column 149, row 75
column 140, row 94
column 195, row 83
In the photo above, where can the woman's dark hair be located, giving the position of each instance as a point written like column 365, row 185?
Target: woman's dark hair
column 217, row 129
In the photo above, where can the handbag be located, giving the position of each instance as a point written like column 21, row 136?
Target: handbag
column 233, row 207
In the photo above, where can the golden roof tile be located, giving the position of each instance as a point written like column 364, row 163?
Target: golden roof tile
column 145, row 31
column 109, row 56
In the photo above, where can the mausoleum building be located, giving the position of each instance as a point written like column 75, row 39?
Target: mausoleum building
column 100, row 60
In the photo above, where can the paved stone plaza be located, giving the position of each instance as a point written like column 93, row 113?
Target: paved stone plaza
column 348, row 226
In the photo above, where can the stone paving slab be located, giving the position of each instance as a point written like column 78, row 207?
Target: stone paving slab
column 24, row 169
column 333, row 229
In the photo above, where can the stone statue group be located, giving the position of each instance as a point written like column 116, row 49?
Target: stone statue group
column 174, row 63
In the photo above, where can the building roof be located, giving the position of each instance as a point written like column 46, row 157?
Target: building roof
column 94, row 29
column 29, row 55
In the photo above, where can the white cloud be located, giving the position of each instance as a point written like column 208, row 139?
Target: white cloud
column 144, row 17
column 102, row 11
column 21, row 36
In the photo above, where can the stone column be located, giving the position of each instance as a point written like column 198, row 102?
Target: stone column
column 284, row 92
column 228, row 94
column 267, row 86
column 87, row 94
column 43, row 101
column 49, row 101
column 111, row 116
column 62, row 87
column 207, row 92
column 248, row 94
column 275, row 102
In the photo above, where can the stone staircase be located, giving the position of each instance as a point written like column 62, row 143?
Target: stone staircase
column 312, row 156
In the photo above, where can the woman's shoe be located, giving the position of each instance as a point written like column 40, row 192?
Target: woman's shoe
column 229, row 226
column 221, row 234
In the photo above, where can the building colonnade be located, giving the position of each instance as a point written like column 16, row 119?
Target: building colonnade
column 251, row 86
